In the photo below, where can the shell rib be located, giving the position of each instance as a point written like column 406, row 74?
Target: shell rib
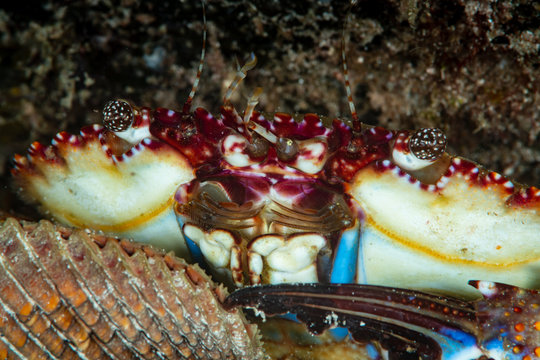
column 73, row 294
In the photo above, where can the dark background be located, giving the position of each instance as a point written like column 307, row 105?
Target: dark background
column 471, row 68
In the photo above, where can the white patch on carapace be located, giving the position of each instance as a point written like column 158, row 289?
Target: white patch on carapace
column 442, row 182
column 311, row 156
column 234, row 151
column 508, row 184
column 408, row 161
column 134, row 135
column 495, row 176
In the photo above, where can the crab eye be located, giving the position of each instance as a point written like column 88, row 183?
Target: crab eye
column 117, row 115
column 420, row 150
column 286, row 149
column 428, row 144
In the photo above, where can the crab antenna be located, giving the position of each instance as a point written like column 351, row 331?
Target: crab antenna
column 346, row 70
column 240, row 75
column 252, row 102
column 187, row 106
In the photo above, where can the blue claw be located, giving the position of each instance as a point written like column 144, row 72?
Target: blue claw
column 405, row 321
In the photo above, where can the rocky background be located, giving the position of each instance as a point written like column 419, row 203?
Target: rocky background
column 471, row 68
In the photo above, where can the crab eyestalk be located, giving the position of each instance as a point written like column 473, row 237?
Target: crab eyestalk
column 417, row 151
column 286, row 149
column 258, row 147
column 503, row 325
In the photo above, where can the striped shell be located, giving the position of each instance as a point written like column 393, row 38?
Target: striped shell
column 73, row 294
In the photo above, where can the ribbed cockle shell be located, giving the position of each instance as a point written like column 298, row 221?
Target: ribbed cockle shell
column 74, row 294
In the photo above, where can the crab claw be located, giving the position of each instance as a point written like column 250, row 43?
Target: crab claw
column 406, row 322
column 97, row 180
column 508, row 317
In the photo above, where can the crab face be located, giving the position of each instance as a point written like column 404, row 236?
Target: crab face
column 272, row 198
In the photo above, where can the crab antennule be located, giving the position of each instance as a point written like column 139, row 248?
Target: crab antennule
column 400, row 319
column 263, row 132
column 240, row 75
column 187, row 105
column 252, row 102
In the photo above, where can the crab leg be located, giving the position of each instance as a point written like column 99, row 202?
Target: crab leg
column 406, row 321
